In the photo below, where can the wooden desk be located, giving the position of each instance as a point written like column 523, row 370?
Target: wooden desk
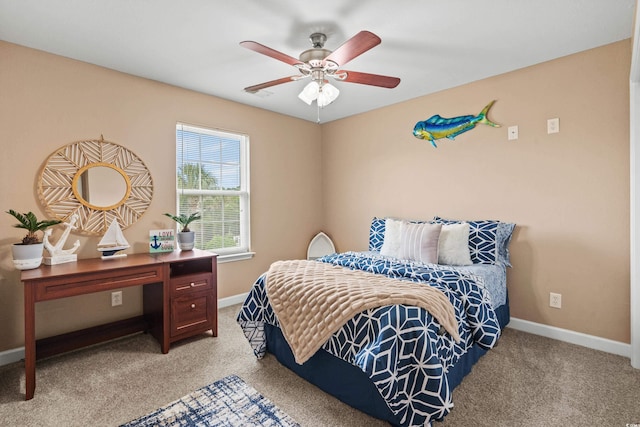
column 179, row 300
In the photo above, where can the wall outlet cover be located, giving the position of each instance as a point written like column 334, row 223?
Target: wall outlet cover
column 116, row 298
column 555, row 300
column 553, row 125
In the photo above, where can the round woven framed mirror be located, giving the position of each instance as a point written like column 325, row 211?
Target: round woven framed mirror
column 99, row 181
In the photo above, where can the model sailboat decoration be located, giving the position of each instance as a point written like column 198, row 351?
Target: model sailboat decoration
column 112, row 242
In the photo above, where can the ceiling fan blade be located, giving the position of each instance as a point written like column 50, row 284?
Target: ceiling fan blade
column 260, row 48
column 370, row 79
column 355, row 46
column 255, row 88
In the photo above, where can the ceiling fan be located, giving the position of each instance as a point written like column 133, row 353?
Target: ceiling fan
column 319, row 63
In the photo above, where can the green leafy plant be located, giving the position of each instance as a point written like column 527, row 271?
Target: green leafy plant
column 29, row 222
column 184, row 220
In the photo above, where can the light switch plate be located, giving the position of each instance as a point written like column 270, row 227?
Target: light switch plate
column 512, row 133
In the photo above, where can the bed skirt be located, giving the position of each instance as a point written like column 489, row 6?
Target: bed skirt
column 352, row 386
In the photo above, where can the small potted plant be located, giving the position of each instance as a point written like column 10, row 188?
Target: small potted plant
column 186, row 237
column 28, row 253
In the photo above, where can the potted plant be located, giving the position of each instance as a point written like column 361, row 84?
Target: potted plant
column 28, row 253
column 186, row 237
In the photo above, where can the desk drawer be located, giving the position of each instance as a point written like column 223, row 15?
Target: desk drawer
column 192, row 313
column 184, row 285
column 66, row 286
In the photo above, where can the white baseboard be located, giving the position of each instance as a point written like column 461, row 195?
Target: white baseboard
column 17, row 354
column 589, row 341
column 566, row 335
column 609, row 346
column 233, row 300
column 11, row 356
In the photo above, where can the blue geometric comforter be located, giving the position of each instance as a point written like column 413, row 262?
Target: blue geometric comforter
column 402, row 349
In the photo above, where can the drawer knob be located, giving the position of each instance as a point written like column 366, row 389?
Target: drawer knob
column 192, row 284
column 193, row 306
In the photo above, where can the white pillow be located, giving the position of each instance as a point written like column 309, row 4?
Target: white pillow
column 392, row 236
column 419, row 242
column 453, row 246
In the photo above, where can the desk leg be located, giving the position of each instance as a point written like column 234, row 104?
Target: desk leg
column 29, row 340
column 214, row 330
column 166, row 310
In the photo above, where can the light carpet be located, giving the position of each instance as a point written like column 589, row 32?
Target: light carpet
column 229, row 402
column 527, row 380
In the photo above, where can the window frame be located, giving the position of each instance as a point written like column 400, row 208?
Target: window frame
column 243, row 251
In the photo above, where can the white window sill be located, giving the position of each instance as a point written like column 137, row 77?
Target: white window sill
column 235, row 257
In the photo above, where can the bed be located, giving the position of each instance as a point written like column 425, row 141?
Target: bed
column 397, row 362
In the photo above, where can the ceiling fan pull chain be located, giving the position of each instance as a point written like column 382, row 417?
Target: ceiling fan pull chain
column 318, row 105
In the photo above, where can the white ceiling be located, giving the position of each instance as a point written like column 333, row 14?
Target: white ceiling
column 430, row 44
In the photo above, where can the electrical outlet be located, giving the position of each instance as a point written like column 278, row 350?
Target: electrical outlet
column 555, row 300
column 553, row 125
column 116, row 298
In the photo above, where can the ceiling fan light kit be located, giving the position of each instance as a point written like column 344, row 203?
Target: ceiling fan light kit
column 319, row 64
column 325, row 94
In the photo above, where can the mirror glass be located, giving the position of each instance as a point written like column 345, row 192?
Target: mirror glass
column 101, row 186
column 99, row 181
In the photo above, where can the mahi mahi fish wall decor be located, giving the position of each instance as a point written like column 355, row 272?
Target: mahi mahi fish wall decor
column 436, row 127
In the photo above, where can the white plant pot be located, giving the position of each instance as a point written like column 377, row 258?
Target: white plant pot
column 27, row 257
column 186, row 240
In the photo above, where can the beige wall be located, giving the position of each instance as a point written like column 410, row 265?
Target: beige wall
column 567, row 192
column 47, row 101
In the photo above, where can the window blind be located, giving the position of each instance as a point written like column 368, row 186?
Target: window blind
column 212, row 178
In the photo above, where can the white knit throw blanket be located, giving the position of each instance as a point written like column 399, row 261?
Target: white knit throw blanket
column 312, row 300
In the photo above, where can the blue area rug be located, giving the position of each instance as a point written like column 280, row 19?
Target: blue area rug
column 227, row 402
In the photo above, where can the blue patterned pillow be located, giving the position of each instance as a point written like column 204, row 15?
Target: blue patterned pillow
column 488, row 240
column 505, row 231
column 376, row 234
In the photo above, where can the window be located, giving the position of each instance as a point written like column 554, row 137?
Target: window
column 212, row 178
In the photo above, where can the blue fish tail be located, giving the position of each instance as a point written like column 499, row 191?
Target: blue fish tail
column 483, row 116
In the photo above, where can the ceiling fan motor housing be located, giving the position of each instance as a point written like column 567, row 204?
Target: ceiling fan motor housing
column 314, row 54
